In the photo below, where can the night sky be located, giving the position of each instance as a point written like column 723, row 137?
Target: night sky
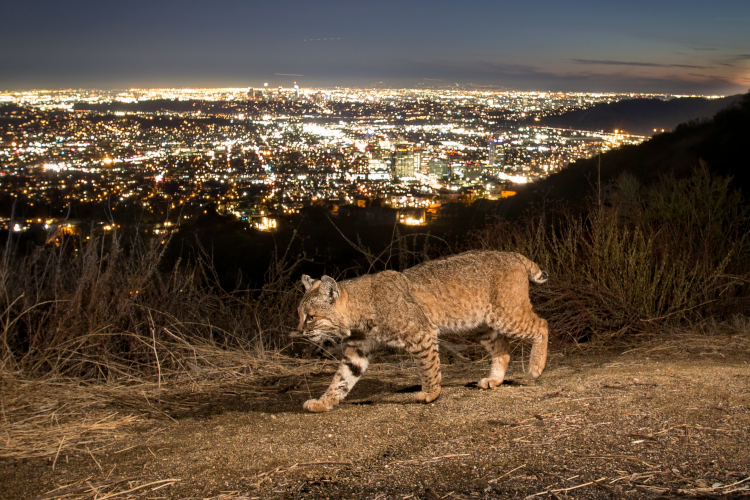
column 635, row 46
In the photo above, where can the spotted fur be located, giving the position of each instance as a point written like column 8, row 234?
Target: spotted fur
column 480, row 292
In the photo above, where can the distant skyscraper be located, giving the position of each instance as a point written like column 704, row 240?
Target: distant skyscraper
column 497, row 153
column 374, row 151
column 418, row 154
column 403, row 162
column 473, row 171
column 439, row 168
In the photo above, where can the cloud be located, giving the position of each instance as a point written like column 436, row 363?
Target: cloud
column 700, row 49
column 530, row 77
column 608, row 62
column 713, row 77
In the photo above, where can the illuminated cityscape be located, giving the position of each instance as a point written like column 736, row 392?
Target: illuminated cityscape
column 263, row 154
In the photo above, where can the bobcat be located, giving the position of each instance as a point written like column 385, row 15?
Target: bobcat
column 479, row 291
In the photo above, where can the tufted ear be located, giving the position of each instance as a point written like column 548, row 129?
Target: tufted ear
column 307, row 282
column 329, row 288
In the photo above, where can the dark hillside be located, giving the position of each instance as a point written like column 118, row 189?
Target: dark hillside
column 640, row 116
column 723, row 143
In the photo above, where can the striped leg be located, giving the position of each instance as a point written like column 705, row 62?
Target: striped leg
column 426, row 357
column 352, row 367
column 499, row 349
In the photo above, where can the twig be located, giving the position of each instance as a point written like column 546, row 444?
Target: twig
column 506, row 474
column 652, row 489
column 112, row 495
column 435, row 459
column 738, row 482
column 162, row 486
column 158, row 409
column 94, row 459
column 70, row 489
column 576, row 487
column 58, row 452
column 701, row 428
column 626, row 457
column 110, row 472
column 310, row 464
column 156, row 353
column 125, row 449
column 561, row 490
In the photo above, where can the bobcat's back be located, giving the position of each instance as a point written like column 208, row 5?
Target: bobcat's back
column 465, row 291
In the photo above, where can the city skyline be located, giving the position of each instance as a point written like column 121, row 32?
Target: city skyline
column 669, row 47
column 266, row 154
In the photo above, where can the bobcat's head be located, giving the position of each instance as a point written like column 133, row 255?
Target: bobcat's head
column 321, row 315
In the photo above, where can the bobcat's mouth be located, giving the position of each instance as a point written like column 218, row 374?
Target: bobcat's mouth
column 321, row 337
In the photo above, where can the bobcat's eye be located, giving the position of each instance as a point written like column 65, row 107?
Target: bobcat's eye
column 309, row 318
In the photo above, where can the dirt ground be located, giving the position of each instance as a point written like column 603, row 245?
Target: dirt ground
column 655, row 418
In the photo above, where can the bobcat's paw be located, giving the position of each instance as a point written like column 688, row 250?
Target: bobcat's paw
column 488, row 383
column 535, row 372
column 427, row 397
column 315, row 406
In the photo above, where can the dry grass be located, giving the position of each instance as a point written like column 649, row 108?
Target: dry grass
column 53, row 417
column 106, row 310
column 108, row 488
column 665, row 256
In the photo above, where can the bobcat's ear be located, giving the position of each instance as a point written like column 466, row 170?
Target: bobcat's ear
column 307, row 282
column 329, row 288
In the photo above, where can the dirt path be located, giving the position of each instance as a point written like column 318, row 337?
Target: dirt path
column 596, row 425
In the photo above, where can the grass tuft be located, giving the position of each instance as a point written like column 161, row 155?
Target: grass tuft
column 668, row 254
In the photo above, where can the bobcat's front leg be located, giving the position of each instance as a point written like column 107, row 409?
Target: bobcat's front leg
column 352, row 367
column 427, row 359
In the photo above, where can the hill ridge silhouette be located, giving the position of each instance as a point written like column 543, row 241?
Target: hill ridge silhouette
column 639, row 116
column 721, row 142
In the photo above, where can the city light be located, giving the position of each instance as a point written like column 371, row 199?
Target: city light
column 264, row 155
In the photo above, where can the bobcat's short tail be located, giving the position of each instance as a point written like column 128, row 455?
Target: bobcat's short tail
column 535, row 273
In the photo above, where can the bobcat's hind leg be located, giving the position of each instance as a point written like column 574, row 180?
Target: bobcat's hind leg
column 425, row 354
column 538, row 357
column 499, row 349
column 352, row 367
column 525, row 324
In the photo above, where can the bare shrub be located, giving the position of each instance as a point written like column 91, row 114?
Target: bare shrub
column 104, row 309
column 666, row 254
